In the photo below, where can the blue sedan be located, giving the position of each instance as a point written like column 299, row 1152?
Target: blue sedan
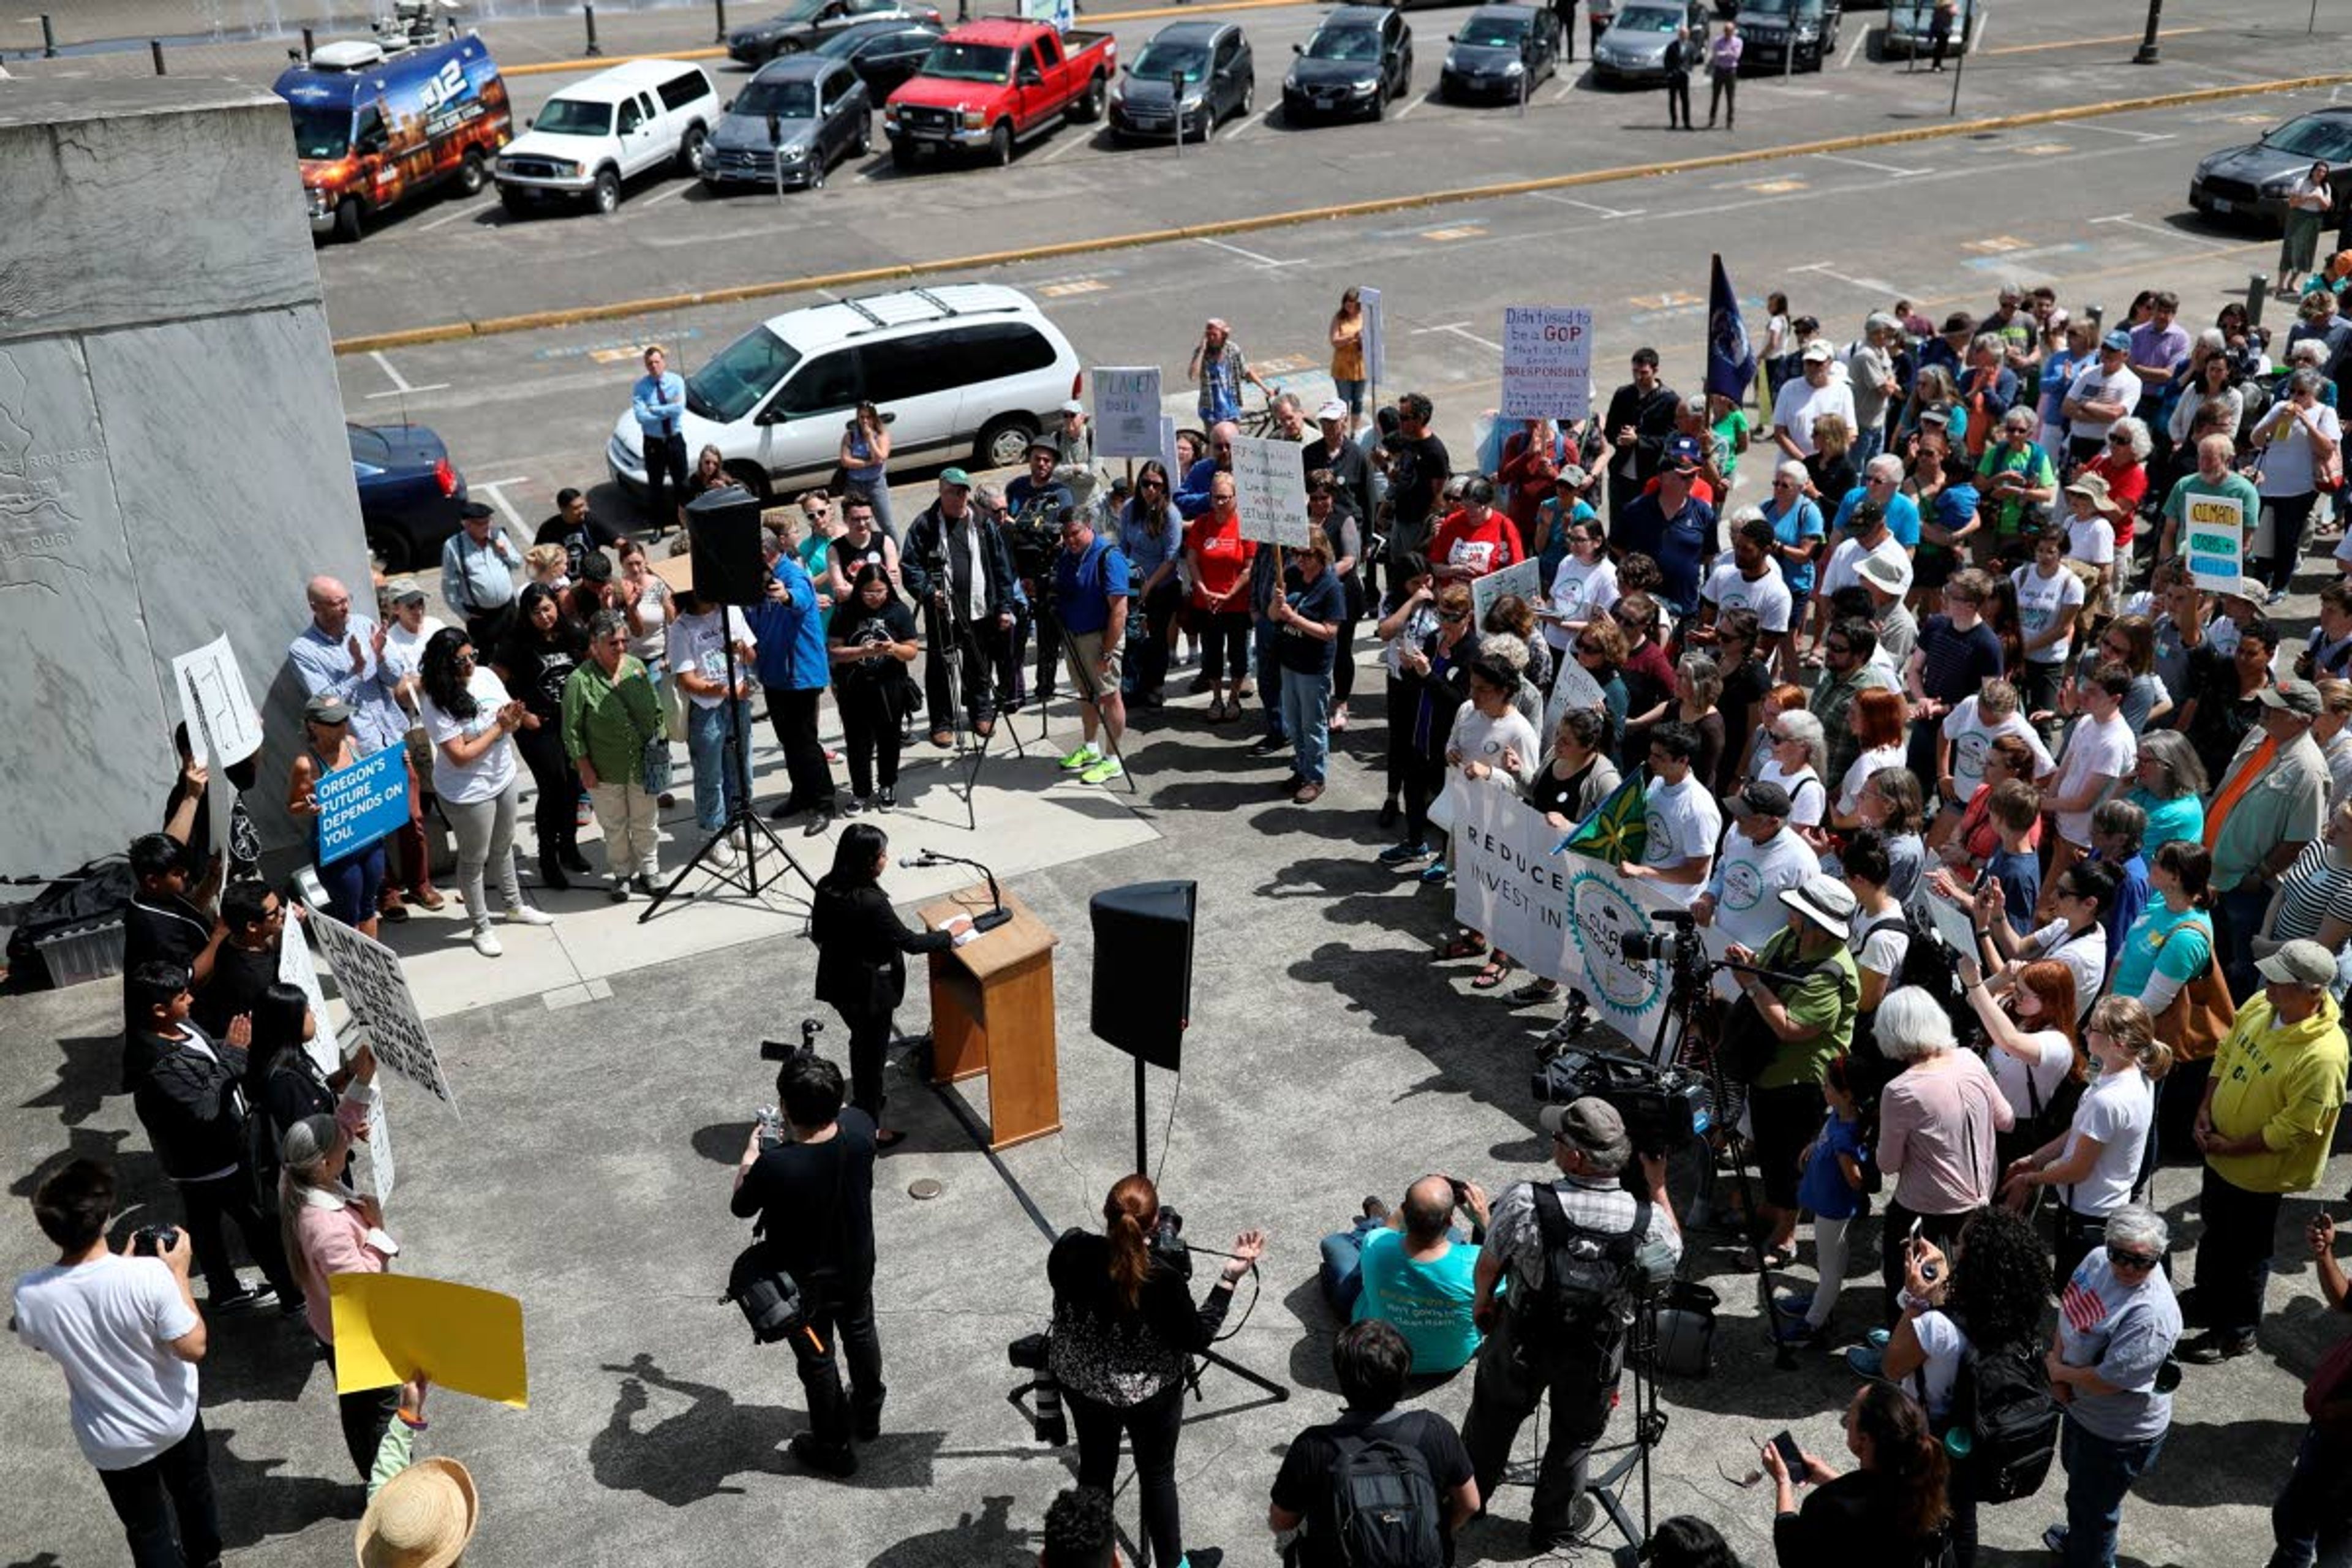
column 410, row 493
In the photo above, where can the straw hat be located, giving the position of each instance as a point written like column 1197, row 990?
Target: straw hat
column 422, row 1517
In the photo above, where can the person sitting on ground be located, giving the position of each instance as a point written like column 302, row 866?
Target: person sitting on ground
column 1890, row 1511
column 1414, row 1268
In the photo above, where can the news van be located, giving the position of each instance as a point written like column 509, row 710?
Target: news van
column 372, row 131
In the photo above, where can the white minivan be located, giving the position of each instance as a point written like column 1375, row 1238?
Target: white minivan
column 966, row 372
column 593, row 137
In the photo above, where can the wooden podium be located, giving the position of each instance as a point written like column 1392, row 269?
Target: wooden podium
column 992, row 1012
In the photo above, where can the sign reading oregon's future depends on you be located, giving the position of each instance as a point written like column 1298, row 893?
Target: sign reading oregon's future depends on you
column 361, row 803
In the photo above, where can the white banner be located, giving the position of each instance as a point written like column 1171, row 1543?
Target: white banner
column 224, row 726
column 1376, row 336
column 1127, row 412
column 1547, row 362
column 1270, row 487
column 295, row 968
column 369, row 975
column 1524, row 578
column 2214, row 539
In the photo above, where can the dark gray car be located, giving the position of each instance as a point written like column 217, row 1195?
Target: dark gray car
column 1359, row 60
column 2253, row 181
column 806, row 23
column 807, row 110
column 1501, row 52
column 1634, row 47
column 1220, row 76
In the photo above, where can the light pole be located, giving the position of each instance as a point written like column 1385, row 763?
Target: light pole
column 2148, row 54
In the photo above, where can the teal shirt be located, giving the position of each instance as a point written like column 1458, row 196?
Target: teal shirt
column 2182, row 816
column 2160, row 941
column 1429, row 1303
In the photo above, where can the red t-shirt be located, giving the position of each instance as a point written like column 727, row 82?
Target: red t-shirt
column 1699, row 488
column 2126, row 487
column 1222, row 558
column 1481, row 547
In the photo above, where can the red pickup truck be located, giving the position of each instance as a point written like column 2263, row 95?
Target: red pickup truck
column 996, row 83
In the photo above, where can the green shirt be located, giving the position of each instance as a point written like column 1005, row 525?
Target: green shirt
column 1733, row 430
column 2288, row 804
column 2234, row 485
column 2033, row 463
column 609, row 719
column 1825, row 1000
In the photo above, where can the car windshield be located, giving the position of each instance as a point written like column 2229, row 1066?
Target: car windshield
column 841, row 46
column 322, row 132
column 801, row 11
column 784, row 100
column 1162, row 59
column 1642, row 19
column 573, row 117
column 1344, row 43
column 732, row 383
column 2315, row 136
column 970, row 62
column 1491, row 32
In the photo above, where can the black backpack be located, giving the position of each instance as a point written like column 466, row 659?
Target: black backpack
column 2001, row 1399
column 1384, row 1500
column 2048, row 1121
column 1587, row 1276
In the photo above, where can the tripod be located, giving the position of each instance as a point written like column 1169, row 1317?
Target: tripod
column 950, row 648
column 1089, row 682
column 1609, row 1486
column 744, row 877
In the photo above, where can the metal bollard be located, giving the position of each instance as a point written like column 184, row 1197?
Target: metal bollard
column 2258, row 293
column 155, row 48
column 2149, row 51
column 307, row 46
column 49, row 38
column 721, row 36
column 590, row 13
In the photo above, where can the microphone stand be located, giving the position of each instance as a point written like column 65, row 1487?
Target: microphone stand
column 996, row 914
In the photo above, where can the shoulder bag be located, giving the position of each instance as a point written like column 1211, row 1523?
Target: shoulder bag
column 2200, row 1013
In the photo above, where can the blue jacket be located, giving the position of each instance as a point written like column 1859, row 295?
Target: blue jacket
column 791, row 634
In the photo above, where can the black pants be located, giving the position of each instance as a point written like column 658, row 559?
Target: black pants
column 1960, row 1496
column 969, row 646
column 1224, row 645
column 1566, row 30
column 1400, row 752
column 231, row 1197
column 2233, row 1255
column 841, row 1318
column 793, row 716
column 177, row 1481
column 1895, row 1230
column 666, row 470
column 1047, row 628
column 869, row 729
column 1152, row 1427
column 1423, row 777
column 1582, row 1383
column 486, row 629
column 1150, row 656
column 2290, row 521
column 366, row 1414
column 1942, row 38
column 555, row 812
column 1723, row 89
column 2177, row 1097
column 1784, row 1119
column 1678, row 109
column 1343, row 667
column 869, row 1043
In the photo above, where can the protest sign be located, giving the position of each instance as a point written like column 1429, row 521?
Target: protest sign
column 1126, row 411
column 1604, row 909
column 1270, row 490
column 2214, row 539
column 1954, row 922
column 375, row 1152
column 1572, row 687
column 224, row 726
column 1509, row 885
column 1524, row 578
column 1167, row 455
column 390, row 1328
column 1547, row 362
column 370, row 977
column 296, row 969
column 361, row 804
column 1376, row 336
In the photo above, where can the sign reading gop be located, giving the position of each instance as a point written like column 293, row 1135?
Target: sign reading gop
column 1547, row 362
column 361, row 803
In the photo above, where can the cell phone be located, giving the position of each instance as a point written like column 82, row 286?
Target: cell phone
column 1790, row 1455
column 1460, row 1190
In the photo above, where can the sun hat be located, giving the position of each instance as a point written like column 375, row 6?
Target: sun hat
column 423, row 1518
column 1824, row 900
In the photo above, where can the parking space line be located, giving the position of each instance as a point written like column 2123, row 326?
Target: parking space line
column 666, row 192
column 1558, row 200
column 1867, row 285
column 1409, row 108
column 1248, row 255
column 1866, row 163
column 1566, row 87
column 474, row 211
column 400, row 387
column 2119, row 130
column 2081, row 42
column 1246, row 122
column 1460, row 330
column 1063, row 148
column 1855, row 49
column 2125, row 220
column 496, row 488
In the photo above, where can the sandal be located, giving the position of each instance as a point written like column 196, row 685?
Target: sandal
column 1492, row 975
column 1468, row 945
column 1775, row 1260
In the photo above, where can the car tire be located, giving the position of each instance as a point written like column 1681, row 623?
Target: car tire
column 1091, row 105
column 515, row 200
column 1003, row 441
column 473, row 174
column 606, row 196
column 999, row 144
column 1249, row 98
column 689, row 150
column 754, row 479
column 351, row 220
column 864, row 143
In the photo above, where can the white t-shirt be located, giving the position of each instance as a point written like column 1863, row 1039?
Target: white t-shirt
column 696, row 643
column 1807, row 797
column 403, row 651
column 1579, row 591
column 2040, row 601
column 2116, row 1110
column 1767, row 596
column 1880, row 951
column 2286, row 461
column 2092, row 385
column 1971, row 738
column 1946, row 1345
column 1748, row 882
column 1799, row 403
column 2052, row 1059
column 651, row 646
column 2092, row 542
column 1844, row 567
column 2085, row 956
column 108, row 1323
column 1684, row 822
column 2093, row 749
column 1849, row 800
column 488, row 776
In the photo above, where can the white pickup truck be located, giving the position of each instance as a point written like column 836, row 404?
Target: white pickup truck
column 593, row 137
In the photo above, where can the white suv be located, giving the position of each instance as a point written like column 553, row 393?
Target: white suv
column 593, row 136
column 967, row 372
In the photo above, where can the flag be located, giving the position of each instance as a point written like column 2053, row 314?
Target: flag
column 1730, row 358
column 1617, row 829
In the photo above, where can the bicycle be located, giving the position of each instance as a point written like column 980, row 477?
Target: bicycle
column 1258, row 424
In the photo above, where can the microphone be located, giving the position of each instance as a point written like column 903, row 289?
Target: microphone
column 996, row 914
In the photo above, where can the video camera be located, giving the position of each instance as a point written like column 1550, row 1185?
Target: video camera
column 771, row 1119
column 1648, row 946
column 1663, row 1106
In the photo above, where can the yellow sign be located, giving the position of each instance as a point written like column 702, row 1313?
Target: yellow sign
column 390, row 1327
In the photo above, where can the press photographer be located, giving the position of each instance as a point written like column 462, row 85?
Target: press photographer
column 1125, row 1328
column 1580, row 1251
column 959, row 568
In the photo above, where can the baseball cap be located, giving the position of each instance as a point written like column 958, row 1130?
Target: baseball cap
column 1591, row 1126
column 1824, row 900
column 1573, row 477
column 1684, row 450
column 2298, row 962
column 1818, row 351
column 1891, row 573
column 403, row 590
column 1042, row 445
column 957, row 478
column 2250, row 589
column 327, row 709
column 2118, row 341
column 2300, row 698
column 1334, row 409
column 1074, row 407
column 1763, row 797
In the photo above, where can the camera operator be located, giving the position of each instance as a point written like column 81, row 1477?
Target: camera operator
column 1577, row 1250
column 1124, row 1328
column 959, row 569
column 814, row 1197
column 125, row 1331
column 1034, row 503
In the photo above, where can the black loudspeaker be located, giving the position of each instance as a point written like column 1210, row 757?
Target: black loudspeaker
column 723, row 526
column 1143, row 968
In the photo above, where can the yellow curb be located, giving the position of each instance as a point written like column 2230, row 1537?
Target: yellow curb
column 557, row 68
column 496, row 326
column 2087, row 43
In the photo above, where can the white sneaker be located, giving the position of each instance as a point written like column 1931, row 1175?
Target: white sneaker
column 528, row 915
column 486, row 942
column 722, row 854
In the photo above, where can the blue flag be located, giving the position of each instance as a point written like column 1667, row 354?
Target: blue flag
column 1730, row 358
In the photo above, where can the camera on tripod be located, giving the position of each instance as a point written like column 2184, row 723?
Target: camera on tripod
column 1167, row 1242
column 1032, row 1352
column 1663, row 1106
column 1650, row 946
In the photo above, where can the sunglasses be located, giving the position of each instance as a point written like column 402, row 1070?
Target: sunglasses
column 1778, row 737
column 1452, row 615
column 1588, row 650
column 2119, row 440
column 2123, row 1259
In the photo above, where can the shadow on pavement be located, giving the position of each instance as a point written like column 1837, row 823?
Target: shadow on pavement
column 91, row 1067
column 255, row 1505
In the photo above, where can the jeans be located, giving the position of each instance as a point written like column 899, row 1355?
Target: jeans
column 1270, row 676
column 2311, row 1520
column 792, row 715
column 484, row 833
column 706, row 747
column 556, row 814
column 1582, row 1383
column 842, row 1320
column 630, row 819
column 877, row 493
column 1868, row 443
column 1306, row 714
column 1342, row 1256
column 2099, row 1474
column 2233, row 1255
column 231, row 1197
column 146, row 1497
column 1153, row 1428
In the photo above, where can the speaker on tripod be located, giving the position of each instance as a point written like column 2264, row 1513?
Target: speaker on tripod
column 722, row 529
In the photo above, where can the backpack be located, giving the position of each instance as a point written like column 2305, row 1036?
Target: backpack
column 1588, row 1276
column 1928, row 963
column 2001, row 1399
column 2049, row 1120
column 1385, row 1500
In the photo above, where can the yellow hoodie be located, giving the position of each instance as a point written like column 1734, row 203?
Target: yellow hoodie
column 2286, row 1083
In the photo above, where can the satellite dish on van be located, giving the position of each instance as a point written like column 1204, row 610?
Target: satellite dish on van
column 347, row 55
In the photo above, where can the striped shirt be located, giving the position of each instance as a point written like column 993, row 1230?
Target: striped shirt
column 2318, row 885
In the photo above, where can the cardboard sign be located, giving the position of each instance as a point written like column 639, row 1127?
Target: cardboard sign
column 1572, row 686
column 2213, row 537
column 295, row 968
column 1376, row 341
column 1126, row 411
column 1167, row 453
column 369, row 974
column 389, row 1328
column 376, row 1173
column 224, row 726
column 361, row 804
column 1270, row 490
column 1547, row 362
column 1524, row 578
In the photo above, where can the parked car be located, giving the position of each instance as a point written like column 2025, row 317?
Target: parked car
column 2252, row 180
column 1356, row 62
column 591, row 139
column 883, row 54
column 410, row 494
column 1634, row 47
column 804, row 23
column 1767, row 26
column 1908, row 23
column 1220, row 76
column 807, row 110
column 371, row 132
column 1501, row 52
column 969, row 373
column 995, row 83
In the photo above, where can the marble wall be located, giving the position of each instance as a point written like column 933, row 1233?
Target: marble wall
column 172, row 461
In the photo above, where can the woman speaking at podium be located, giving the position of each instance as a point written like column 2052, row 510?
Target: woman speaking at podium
column 861, row 965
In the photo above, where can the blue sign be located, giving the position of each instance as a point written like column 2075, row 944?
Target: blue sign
column 363, row 803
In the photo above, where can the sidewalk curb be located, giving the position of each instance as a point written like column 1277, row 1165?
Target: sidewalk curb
column 496, row 326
